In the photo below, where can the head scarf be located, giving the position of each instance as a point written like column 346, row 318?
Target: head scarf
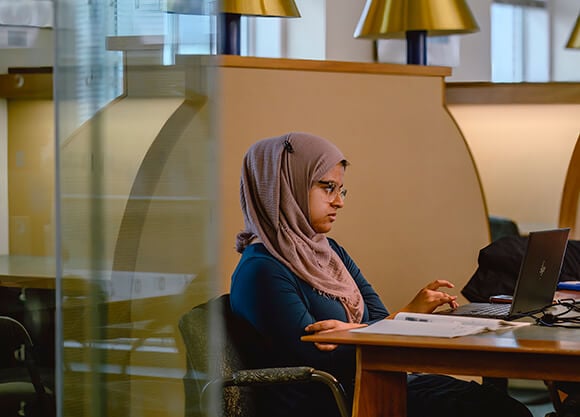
column 277, row 175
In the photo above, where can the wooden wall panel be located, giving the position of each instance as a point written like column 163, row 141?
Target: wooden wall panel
column 415, row 210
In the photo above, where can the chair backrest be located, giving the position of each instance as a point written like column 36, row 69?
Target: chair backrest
column 22, row 391
column 217, row 344
column 502, row 226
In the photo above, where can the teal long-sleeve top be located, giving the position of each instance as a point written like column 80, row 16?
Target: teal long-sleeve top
column 279, row 305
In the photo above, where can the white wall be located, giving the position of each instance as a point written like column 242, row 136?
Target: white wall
column 565, row 62
column 475, row 48
column 306, row 36
column 40, row 52
column 522, row 153
column 342, row 17
column 325, row 31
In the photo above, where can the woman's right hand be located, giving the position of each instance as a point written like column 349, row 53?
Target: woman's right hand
column 430, row 297
column 325, row 326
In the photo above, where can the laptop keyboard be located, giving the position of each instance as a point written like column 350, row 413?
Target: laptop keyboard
column 483, row 310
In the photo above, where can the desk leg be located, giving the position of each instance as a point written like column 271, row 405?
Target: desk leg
column 378, row 393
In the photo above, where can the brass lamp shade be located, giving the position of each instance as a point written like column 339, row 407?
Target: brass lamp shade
column 275, row 8
column 383, row 19
column 574, row 41
column 278, row 8
column 229, row 15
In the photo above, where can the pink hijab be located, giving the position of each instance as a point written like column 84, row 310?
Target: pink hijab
column 277, row 175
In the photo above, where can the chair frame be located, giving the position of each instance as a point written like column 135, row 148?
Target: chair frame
column 239, row 375
column 29, row 361
column 284, row 375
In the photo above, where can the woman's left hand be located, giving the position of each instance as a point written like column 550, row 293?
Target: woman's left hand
column 325, row 326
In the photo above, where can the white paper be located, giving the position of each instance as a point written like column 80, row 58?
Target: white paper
column 435, row 325
column 489, row 324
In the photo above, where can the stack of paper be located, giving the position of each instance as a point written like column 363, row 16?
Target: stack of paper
column 436, row 325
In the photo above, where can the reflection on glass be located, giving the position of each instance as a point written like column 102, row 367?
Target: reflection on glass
column 134, row 203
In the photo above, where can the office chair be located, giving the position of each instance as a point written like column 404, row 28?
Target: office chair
column 22, row 392
column 229, row 360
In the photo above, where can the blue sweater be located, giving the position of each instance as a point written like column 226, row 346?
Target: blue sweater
column 279, row 305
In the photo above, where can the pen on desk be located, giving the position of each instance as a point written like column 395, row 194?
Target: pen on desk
column 416, row 319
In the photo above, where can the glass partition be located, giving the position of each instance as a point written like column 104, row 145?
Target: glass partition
column 134, row 200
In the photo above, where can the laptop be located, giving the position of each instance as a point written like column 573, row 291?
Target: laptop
column 536, row 283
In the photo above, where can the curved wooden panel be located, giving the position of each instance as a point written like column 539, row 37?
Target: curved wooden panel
column 416, row 211
column 95, row 189
column 143, row 189
column 569, row 215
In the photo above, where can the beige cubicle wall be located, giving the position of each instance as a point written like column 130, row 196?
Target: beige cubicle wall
column 522, row 137
column 30, row 126
column 135, row 206
column 143, row 200
column 415, row 210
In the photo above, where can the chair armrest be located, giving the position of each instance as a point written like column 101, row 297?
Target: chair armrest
column 285, row 375
column 270, row 376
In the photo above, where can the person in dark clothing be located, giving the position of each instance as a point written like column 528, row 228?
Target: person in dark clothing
column 293, row 280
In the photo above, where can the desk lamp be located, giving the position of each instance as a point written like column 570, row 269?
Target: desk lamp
column 230, row 14
column 232, row 10
column 414, row 20
column 574, row 41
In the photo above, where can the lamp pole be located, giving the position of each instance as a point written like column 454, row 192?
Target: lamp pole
column 416, row 47
column 229, row 34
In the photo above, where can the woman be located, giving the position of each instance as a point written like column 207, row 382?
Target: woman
column 293, row 280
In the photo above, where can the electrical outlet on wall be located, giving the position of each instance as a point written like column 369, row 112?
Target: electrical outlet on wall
column 19, row 155
column 20, row 238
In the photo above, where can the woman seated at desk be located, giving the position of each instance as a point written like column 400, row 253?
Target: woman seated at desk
column 292, row 280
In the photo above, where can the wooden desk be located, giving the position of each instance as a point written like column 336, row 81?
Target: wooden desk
column 383, row 360
column 37, row 272
column 27, row 271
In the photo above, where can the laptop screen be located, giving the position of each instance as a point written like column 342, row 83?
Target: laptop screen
column 540, row 270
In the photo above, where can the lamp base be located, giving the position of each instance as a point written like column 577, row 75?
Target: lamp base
column 416, row 47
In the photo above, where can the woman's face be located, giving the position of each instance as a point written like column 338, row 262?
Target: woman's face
column 325, row 199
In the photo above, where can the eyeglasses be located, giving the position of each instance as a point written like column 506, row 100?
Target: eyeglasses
column 333, row 190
